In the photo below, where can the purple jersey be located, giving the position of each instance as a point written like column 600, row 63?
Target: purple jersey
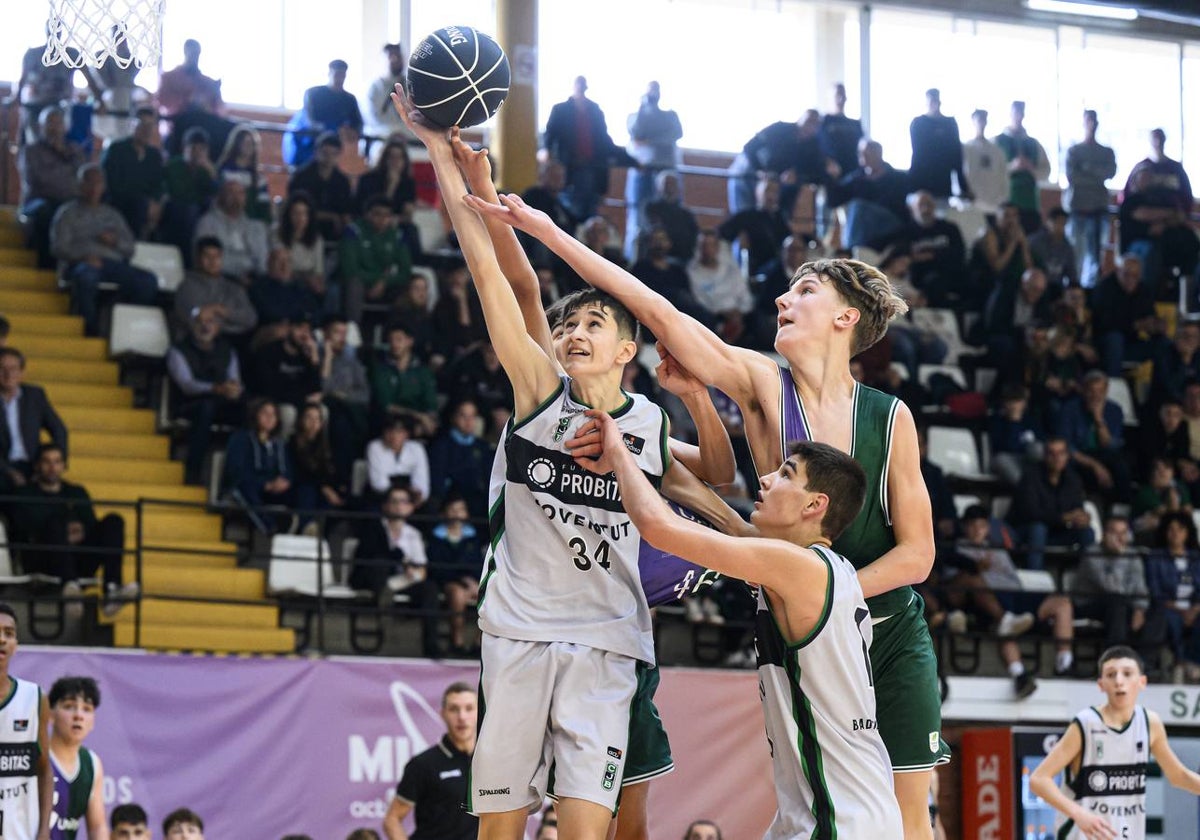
column 667, row 578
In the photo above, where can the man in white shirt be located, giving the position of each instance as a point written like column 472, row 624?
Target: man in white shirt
column 380, row 118
column 985, row 166
column 395, row 459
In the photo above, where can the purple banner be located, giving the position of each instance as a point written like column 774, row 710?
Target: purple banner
column 261, row 748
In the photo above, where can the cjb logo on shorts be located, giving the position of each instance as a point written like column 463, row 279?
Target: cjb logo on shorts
column 610, row 776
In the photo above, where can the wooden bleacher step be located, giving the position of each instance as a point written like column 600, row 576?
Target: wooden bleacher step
column 42, row 371
column 49, row 302
column 55, row 347
column 196, row 614
column 118, row 446
column 31, row 323
column 217, row 639
column 89, row 419
column 85, row 469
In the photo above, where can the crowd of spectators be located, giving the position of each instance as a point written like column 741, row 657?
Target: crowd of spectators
column 318, row 324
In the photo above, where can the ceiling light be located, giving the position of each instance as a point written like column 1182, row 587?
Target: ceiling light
column 1067, row 7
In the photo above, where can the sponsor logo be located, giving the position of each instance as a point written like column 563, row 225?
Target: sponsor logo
column 541, row 473
column 863, row 724
column 634, row 443
column 613, row 752
column 935, row 742
column 21, row 725
column 1098, row 781
column 450, row 774
column 456, row 36
column 1114, row 780
column 493, row 791
column 563, row 424
column 610, row 776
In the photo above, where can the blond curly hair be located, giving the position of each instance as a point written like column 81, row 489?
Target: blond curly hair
column 864, row 287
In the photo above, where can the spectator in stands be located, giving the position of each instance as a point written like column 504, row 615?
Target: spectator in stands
column 1172, row 572
column 600, row 236
column 67, row 541
column 1028, row 167
column 96, row 244
column 28, row 413
column 49, row 177
column 317, row 484
column 191, row 183
column 875, row 199
column 912, row 343
column 577, row 136
column 985, row 166
column 1089, row 166
column 662, row 273
column 653, row 133
column 1157, row 172
column 206, row 288
column 390, row 558
column 455, row 553
column 391, row 178
column 1110, row 586
column 1178, row 364
column 1154, row 222
column 758, row 231
column 183, row 824
column 1047, row 507
column 781, row 151
column 1011, row 311
column 1159, row 496
column 129, row 822
column 1191, row 417
column 1063, row 371
column 204, row 367
column 1165, row 434
column 839, row 135
column 999, row 577
column 375, row 264
column 330, row 106
column 1002, row 255
column 721, row 289
column 288, row 372
column 380, row 119
column 459, row 459
column 5, row 329
column 402, row 385
column 666, row 210
column 244, row 241
column 239, row 161
column 1126, row 324
column 1073, row 312
column 347, row 393
column 457, row 316
column 937, row 251
column 135, row 173
column 776, row 277
column 297, row 231
column 279, row 298
column 41, row 85
column 185, row 88
column 478, row 375
column 937, row 151
column 1015, row 440
column 257, row 469
column 1053, row 251
column 1094, row 428
column 413, row 310
column 327, row 186
column 395, row 459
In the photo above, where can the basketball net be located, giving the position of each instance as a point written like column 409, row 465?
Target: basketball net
column 86, row 33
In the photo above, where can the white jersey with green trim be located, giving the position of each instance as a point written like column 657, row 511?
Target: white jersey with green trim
column 19, row 727
column 1112, row 774
column 833, row 777
column 563, row 561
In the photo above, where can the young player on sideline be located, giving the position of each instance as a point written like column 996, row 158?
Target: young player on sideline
column 1105, row 751
column 78, row 774
column 26, row 781
column 665, row 579
column 564, row 619
column 832, row 774
column 833, row 310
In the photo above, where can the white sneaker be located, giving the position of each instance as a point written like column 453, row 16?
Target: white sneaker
column 712, row 611
column 118, row 597
column 1015, row 625
column 692, row 611
column 72, row 609
column 956, row 621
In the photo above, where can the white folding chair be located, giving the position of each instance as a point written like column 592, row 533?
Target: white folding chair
column 1118, row 392
column 430, row 228
column 294, row 568
column 163, row 261
column 962, row 502
column 139, row 331
column 955, row 451
column 924, row 372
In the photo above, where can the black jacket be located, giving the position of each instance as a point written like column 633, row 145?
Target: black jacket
column 35, row 413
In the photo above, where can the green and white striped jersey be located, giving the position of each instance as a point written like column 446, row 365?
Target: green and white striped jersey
column 1112, row 774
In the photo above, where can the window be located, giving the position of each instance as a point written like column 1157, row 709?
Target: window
column 1191, row 115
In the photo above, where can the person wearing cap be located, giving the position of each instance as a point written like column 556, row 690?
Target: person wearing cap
column 330, row 106
column 381, row 118
column 985, row 166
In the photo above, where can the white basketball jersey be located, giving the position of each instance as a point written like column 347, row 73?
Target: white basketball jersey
column 833, row 777
column 19, row 727
column 1112, row 774
column 562, row 565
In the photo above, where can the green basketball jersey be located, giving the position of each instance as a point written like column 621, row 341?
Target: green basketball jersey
column 71, row 794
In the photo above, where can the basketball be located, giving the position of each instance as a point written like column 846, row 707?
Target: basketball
column 458, row 76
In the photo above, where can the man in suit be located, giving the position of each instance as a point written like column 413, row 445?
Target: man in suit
column 27, row 411
column 577, row 136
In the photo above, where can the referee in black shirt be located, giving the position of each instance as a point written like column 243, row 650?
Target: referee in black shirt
column 434, row 784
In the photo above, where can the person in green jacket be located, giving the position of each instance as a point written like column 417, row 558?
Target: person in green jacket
column 376, row 265
column 402, row 385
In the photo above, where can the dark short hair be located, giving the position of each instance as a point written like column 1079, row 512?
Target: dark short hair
column 195, row 135
column 66, row 688
column 1184, row 519
column 979, row 112
column 399, row 488
column 333, row 320
column 1121, row 652
column 363, row 834
column 457, row 688
column 396, row 422
column 128, row 814
column 627, row 325
column 145, row 111
column 15, row 353
column 328, row 138
column 377, row 200
column 6, row 609
column 338, row 64
column 48, row 447
column 834, row 473
column 974, row 512
column 1090, row 114
column 182, row 816
column 205, row 242
column 5, row 327
column 933, row 93
column 554, row 313
column 390, row 48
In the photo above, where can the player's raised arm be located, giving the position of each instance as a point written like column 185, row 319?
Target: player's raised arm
column 1068, row 749
column 531, row 371
column 732, row 369
column 713, row 459
column 514, row 263
column 909, row 561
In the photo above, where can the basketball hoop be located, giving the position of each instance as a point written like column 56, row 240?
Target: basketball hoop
column 86, row 33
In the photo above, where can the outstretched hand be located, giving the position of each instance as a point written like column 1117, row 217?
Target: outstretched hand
column 673, row 376
column 512, row 210
column 425, row 131
column 474, row 165
column 598, row 446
